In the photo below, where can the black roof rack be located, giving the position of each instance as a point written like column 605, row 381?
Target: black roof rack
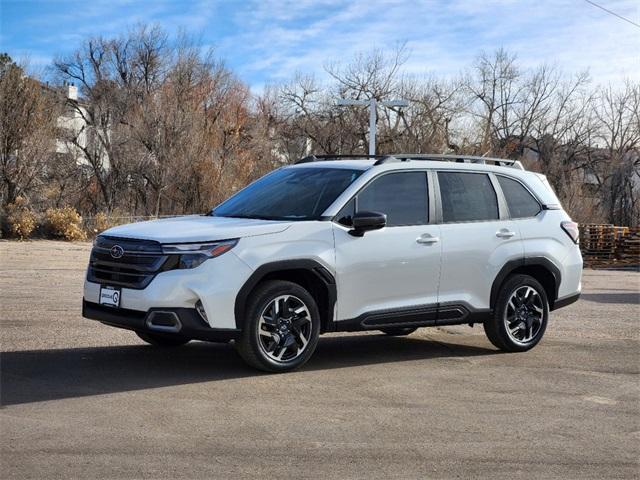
column 402, row 157
column 502, row 162
column 324, row 158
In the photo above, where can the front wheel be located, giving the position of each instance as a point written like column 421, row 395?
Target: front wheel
column 281, row 327
column 520, row 315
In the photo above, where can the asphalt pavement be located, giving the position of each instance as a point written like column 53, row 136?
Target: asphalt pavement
column 83, row 400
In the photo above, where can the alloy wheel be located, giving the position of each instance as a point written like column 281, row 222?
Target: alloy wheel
column 524, row 315
column 284, row 328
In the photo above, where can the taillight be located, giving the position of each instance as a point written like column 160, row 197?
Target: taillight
column 571, row 229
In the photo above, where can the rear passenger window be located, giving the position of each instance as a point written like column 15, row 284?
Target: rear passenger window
column 401, row 196
column 521, row 203
column 467, row 197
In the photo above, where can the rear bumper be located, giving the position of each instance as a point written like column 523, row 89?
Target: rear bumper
column 188, row 323
column 564, row 301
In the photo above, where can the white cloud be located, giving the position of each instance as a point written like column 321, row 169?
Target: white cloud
column 268, row 40
column 443, row 37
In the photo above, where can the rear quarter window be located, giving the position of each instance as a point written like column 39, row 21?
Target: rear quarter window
column 519, row 200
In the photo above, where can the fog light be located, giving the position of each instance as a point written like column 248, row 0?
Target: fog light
column 200, row 309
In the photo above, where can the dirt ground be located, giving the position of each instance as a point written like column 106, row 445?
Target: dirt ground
column 83, row 400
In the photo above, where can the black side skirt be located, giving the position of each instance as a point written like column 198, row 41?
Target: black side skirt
column 455, row 313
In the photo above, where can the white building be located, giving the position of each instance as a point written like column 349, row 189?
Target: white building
column 77, row 135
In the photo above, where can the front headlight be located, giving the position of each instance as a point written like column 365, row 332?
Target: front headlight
column 191, row 255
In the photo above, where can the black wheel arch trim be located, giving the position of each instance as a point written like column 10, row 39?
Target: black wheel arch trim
column 512, row 265
column 311, row 266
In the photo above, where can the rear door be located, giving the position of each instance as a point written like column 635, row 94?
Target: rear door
column 477, row 239
column 397, row 267
column 531, row 219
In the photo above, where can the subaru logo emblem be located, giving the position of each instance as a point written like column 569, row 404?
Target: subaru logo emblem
column 116, row 251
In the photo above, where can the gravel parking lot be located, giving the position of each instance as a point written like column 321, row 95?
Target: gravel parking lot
column 82, row 400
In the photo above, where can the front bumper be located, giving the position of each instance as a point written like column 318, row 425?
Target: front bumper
column 215, row 283
column 187, row 322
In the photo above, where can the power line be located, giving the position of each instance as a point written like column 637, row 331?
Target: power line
column 613, row 13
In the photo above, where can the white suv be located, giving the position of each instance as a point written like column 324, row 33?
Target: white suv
column 345, row 243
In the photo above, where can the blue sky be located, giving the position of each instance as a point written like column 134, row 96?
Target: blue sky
column 268, row 41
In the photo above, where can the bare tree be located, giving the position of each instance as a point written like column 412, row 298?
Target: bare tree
column 28, row 114
column 162, row 126
column 495, row 90
column 163, row 123
column 617, row 165
column 100, row 111
column 428, row 124
column 310, row 116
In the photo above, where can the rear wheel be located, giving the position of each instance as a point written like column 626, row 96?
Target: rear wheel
column 398, row 331
column 520, row 315
column 281, row 328
column 159, row 340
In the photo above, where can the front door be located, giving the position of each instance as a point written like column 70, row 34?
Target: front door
column 395, row 269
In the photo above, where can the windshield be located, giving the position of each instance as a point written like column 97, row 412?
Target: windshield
column 289, row 194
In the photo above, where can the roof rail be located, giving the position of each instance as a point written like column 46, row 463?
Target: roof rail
column 324, row 158
column 503, row 162
column 405, row 157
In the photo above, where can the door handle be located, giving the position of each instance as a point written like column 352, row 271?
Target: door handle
column 427, row 239
column 504, row 233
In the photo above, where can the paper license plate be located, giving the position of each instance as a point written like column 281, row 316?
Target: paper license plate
column 110, row 296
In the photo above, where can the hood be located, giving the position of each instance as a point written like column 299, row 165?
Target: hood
column 196, row 228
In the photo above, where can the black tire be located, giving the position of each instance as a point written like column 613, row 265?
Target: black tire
column 159, row 340
column 251, row 345
column 398, row 331
column 496, row 327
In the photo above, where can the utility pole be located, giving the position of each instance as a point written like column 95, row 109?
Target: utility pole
column 373, row 114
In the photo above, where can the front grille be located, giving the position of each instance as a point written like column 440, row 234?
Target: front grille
column 141, row 260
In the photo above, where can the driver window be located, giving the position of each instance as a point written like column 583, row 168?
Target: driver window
column 401, row 196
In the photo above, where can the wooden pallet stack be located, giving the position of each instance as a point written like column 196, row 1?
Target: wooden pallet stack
column 629, row 247
column 609, row 245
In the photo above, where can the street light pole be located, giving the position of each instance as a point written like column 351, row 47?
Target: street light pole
column 373, row 120
column 373, row 115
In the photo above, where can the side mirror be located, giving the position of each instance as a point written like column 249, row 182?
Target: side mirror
column 367, row 221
